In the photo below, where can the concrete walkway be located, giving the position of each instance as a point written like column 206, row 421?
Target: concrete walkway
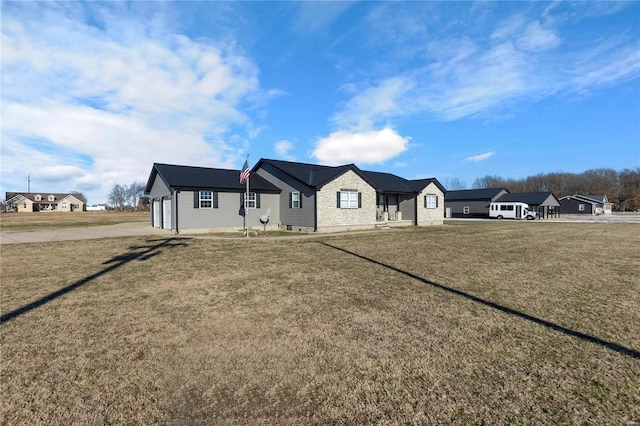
column 88, row 233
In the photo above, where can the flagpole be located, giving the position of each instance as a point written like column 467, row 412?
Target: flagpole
column 246, row 205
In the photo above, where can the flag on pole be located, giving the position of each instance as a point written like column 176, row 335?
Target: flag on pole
column 244, row 174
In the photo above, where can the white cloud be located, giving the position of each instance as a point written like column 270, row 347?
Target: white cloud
column 373, row 104
column 368, row 147
column 537, row 39
column 480, row 157
column 283, row 149
column 118, row 91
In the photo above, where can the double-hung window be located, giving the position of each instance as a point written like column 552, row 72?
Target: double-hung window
column 430, row 201
column 348, row 199
column 250, row 200
column 206, row 199
column 295, row 200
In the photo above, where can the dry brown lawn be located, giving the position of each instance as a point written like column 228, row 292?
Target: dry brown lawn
column 10, row 222
column 466, row 323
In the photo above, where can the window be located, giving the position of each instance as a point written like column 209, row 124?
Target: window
column 581, row 207
column 63, row 205
column 38, row 197
column 348, row 199
column 508, row 207
column 295, row 200
column 24, row 205
column 465, row 210
column 75, row 206
column 430, row 201
column 250, row 200
column 51, row 198
column 206, row 199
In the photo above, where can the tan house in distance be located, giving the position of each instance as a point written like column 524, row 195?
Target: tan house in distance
column 23, row 202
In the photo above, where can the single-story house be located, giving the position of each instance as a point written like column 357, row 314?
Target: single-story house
column 318, row 198
column 295, row 196
column 22, row 202
column 200, row 199
column 585, row 204
column 471, row 203
column 545, row 203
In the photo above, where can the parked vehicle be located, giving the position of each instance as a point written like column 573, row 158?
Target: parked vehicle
column 512, row 210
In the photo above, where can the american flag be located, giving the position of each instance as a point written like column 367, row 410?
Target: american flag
column 244, row 174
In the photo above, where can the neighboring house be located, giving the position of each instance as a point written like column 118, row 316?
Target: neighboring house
column 201, row 199
column 545, row 203
column 471, row 203
column 318, row 198
column 585, row 204
column 22, row 202
column 296, row 196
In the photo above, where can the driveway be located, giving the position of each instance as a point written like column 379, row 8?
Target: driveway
column 88, row 233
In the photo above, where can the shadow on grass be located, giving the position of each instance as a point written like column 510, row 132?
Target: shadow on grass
column 139, row 253
column 556, row 327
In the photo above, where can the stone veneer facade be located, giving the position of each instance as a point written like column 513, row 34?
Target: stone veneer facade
column 331, row 218
column 430, row 216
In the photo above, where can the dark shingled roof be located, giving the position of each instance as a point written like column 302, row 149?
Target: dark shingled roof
column 312, row 175
column 473, row 194
column 387, row 182
column 316, row 176
column 531, row 198
column 419, row 184
column 189, row 177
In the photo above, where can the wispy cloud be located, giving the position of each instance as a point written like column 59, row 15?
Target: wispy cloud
column 283, row 150
column 521, row 59
column 119, row 90
column 480, row 157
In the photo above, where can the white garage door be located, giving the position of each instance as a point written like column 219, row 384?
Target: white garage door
column 156, row 214
column 166, row 213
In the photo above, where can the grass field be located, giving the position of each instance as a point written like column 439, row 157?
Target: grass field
column 465, row 323
column 13, row 222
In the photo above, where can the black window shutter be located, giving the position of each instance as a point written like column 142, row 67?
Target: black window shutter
column 300, row 199
column 425, row 201
column 338, row 198
column 359, row 200
column 214, row 201
column 242, row 199
column 257, row 200
column 436, row 201
column 196, row 199
column 291, row 200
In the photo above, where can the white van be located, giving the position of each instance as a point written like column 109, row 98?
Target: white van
column 512, row 210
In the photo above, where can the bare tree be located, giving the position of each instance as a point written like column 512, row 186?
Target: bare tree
column 79, row 195
column 455, row 184
column 118, row 196
column 134, row 192
column 629, row 195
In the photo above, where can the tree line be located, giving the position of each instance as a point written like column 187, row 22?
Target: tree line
column 622, row 188
column 123, row 197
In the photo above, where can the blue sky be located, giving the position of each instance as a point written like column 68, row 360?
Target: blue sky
column 94, row 93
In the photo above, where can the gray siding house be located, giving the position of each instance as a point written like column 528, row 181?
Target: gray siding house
column 200, row 199
column 296, row 197
column 585, row 204
column 318, row 198
column 471, row 203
